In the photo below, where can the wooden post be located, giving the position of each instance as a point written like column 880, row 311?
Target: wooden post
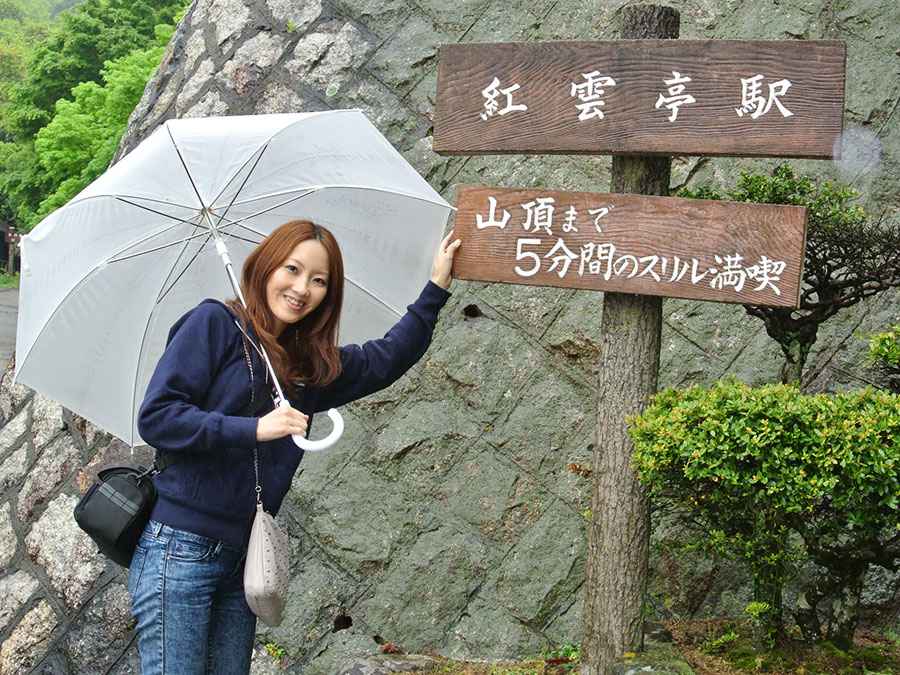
column 619, row 536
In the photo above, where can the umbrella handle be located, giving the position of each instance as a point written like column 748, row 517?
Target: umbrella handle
column 323, row 443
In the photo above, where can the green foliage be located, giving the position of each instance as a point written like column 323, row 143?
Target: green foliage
column 23, row 182
column 885, row 347
column 829, row 204
column 78, row 143
column 75, row 51
column 884, row 353
column 569, row 652
column 38, row 10
column 761, row 623
column 752, row 466
column 75, row 144
column 755, row 610
column 719, row 644
column 9, row 280
column 849, row 256
column 275, row 651
column 22, row 26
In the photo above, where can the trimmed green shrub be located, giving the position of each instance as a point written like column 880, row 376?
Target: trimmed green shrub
column 752, row 466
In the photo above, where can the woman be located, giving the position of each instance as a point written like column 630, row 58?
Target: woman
column 200, row 413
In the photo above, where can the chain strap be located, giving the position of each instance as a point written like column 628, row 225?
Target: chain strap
column 252, row 399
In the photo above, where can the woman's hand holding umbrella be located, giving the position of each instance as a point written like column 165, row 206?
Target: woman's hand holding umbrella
column 283, row 421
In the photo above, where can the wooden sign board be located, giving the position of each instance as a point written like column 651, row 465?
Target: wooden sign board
column 664, row 97
column 627, row 243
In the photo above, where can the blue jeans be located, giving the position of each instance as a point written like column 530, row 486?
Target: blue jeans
column 187, row 595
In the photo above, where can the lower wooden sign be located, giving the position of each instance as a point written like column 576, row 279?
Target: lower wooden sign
column 683, row 248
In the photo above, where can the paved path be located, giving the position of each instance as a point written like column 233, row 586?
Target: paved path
column 9, row 310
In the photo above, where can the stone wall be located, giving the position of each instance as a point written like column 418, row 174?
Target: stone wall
column 446, row 521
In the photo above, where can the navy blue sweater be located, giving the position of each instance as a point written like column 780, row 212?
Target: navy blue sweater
column 198, row 398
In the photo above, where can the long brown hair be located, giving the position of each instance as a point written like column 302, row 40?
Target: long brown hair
column 306, row 351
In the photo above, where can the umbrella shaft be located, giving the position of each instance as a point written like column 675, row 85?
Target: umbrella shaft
column 229, row 268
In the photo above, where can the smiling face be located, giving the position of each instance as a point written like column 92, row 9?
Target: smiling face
column 298, row 286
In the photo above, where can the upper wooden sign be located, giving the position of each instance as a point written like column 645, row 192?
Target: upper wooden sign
column 665, row 97
column 683, row 248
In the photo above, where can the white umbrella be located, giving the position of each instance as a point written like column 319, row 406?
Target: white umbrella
column 104, row 277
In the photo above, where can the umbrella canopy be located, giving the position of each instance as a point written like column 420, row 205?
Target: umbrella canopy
column 104, row 277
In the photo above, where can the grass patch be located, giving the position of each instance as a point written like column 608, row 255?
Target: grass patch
column 9, row 280
column 712, row 647
column 718, row 647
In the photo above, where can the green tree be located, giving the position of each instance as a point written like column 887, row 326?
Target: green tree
column 23, row 182
column 40, row 173
column 11, row 9
column 85, row 37
column 849, row 256
column 78, row 143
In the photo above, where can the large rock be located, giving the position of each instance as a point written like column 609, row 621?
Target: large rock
column 56, row 463
column 12, row 396
column 199, row 80
column 249, row 63
column 8, row 539
column 328, row 57
column 295, row 17
column 13, row 431
column 383, row 665
column 15, row 590
column 28, row 641
column 103, row 630
column 67, row 554
column 46, row 420
column 228, row 18
column 14, row 468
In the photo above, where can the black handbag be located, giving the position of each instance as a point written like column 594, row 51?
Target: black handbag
column 115, row 510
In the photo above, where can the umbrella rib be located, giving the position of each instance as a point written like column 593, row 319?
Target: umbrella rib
column 271, row 208
column 184, row 165
column 245, row 227
column 373, row 295
column 159, row 213
column 147, row 327
column 162, row 295
column 155, row 201
column 138, row 243
column 273, row 194
column 163, row 292
column 234, row 236
column 246, row 178
column 164, row 246
column 173, row 243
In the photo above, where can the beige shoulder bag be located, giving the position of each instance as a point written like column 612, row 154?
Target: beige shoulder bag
column 267, row 568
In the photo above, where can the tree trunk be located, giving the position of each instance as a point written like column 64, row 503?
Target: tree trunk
column 845, row 609
column 796, row 341
column 795, row 354
column 767, row 589
column 619, row 535
column 807, row 616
